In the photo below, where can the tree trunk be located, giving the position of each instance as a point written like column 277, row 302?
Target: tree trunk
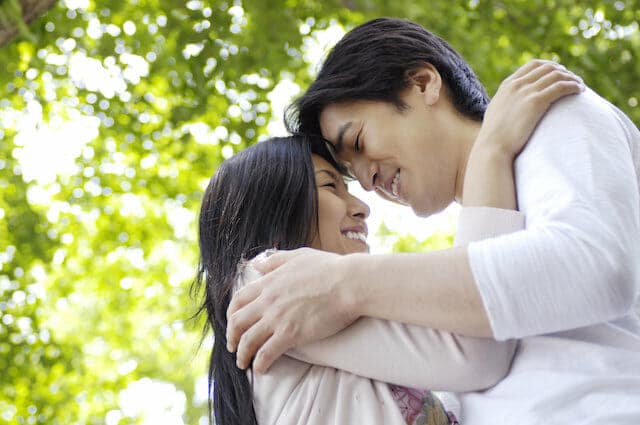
column 31, row 10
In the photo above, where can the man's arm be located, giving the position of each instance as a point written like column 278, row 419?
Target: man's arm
column 419, row 357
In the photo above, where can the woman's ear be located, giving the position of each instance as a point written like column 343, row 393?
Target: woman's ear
column 428, row 81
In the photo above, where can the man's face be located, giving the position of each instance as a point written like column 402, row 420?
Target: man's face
column 404, row 156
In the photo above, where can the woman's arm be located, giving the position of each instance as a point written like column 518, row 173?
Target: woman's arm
column 510, row 119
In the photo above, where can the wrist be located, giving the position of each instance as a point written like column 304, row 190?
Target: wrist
column 350, row 294
column 490, row 155
column 489, row 180
column 487, row 147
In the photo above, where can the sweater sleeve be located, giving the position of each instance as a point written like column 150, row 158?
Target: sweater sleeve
column 576, row 263
column 418, row 357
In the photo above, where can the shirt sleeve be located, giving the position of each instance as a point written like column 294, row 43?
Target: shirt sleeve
column 577, row 262
column 413, row 356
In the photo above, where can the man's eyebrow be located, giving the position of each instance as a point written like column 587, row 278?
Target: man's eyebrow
column 339, row 140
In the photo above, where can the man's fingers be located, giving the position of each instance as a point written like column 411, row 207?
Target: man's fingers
column 239, row 322
column 242, row 297
column 250, row 342
column 267, row 264
column 270, row 351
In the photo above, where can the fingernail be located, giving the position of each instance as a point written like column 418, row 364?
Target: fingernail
column 262, row 257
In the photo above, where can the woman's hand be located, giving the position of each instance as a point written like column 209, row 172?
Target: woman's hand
column 520, row 102
column 297, row 301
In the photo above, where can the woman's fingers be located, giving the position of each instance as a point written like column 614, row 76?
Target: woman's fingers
column 553, row 77
column 534, row 73
column 559, row 89
column 544, row 75
column 250, row 341
column 553, row 86
column 527, row 68
column 544, row 69
column 540, row 74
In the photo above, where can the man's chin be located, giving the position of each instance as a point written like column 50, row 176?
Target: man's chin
column 423, row 209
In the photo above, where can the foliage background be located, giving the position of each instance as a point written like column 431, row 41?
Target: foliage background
column 113, row 118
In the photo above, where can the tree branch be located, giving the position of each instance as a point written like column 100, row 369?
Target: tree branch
column 31, row 10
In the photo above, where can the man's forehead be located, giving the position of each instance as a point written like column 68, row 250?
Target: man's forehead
column 332, row 150
column 334, row 116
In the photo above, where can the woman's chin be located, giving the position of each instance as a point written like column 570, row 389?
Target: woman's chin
column 358, row 248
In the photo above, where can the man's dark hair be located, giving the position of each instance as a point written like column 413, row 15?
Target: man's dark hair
column 374, row 62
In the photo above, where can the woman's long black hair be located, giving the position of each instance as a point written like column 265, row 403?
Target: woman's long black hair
column 263, row 197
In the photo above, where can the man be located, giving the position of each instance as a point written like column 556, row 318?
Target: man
column 402, row 109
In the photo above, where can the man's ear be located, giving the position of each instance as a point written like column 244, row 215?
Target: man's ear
column 428, row 81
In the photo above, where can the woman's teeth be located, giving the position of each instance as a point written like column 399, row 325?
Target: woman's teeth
column 358, row 236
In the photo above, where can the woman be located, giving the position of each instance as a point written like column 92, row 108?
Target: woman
column 288, row 193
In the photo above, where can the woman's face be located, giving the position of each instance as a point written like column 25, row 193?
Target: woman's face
column 341, row 216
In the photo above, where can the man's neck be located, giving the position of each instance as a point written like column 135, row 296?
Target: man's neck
column 466, row 133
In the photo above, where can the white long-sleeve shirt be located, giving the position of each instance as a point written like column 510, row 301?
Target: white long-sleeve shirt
column 324, row 383
column 568, row 285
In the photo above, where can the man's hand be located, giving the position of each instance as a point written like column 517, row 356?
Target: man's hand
column 301, row 298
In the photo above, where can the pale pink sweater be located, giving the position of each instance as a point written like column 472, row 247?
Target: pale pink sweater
column 344, row 379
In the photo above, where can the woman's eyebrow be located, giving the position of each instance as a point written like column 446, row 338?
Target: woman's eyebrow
column 331, row 174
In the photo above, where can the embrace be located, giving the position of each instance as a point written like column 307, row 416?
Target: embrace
column 531, row 318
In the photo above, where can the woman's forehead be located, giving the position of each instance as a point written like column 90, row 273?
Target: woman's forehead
column 321, row 164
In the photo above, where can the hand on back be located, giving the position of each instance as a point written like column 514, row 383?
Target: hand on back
column 521, row 101
column 294, row 303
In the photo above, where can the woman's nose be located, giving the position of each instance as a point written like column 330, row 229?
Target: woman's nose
column 358, row 208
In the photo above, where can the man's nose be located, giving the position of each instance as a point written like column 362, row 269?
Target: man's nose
column 366, row 173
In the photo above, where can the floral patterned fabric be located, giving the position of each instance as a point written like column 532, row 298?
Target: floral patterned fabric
column 421, row 407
